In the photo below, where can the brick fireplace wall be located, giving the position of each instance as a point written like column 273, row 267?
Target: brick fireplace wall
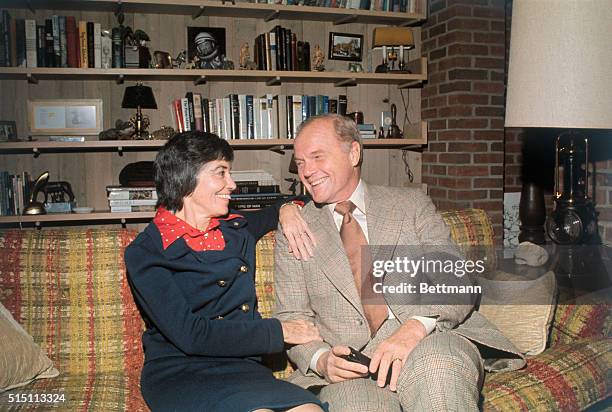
column 471, row 159
column 463, row 102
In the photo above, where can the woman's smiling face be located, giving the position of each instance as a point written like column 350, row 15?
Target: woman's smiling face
column 211, row 196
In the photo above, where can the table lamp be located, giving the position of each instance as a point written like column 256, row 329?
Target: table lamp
column 560, row 76
column 139, row 97
column 392, row 37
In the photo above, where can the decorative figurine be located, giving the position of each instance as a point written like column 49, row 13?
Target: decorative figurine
column 317, row 59
column 165, row 133
column 121, row 131
column 163, row 60
column 245, row 58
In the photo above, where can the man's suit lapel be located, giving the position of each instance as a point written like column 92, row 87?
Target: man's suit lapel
column 382, row 214
column 331, row 255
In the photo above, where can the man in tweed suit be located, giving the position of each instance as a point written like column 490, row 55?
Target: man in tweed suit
column 430, row 351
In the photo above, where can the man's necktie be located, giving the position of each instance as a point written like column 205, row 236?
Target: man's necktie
column 353, row 240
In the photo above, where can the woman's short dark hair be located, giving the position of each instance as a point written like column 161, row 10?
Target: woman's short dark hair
column 179, row 161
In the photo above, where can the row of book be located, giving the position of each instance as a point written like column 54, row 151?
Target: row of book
column 14, row 193
column 60, row 42
column 243, row 116
column 279, row 49
column 374, row 5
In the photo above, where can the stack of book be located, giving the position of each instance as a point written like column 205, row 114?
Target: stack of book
column 255, row 189
column 131, row 199
column 367, row 130
column 244, row 116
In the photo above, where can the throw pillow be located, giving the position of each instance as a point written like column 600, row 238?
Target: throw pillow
column 21, row 360
column 521, row 309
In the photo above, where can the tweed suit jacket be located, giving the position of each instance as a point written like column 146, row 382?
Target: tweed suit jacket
column 323, row 290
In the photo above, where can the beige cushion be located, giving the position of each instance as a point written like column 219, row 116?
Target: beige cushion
column 21, row 360
column 521, row 309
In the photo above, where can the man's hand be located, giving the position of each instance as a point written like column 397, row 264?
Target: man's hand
column 393, row 352
column 336, row 369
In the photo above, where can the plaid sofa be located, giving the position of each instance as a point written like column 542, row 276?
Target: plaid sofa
column 67, row 288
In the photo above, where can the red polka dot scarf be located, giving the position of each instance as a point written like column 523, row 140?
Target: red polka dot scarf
column 171, row 228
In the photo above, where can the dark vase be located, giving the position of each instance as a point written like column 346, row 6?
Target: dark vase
column 532, row 213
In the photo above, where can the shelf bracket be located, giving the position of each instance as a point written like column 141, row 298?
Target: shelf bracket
column 275, row 81
column 120, row 79
column 199, row 13
column 346, row 82
column 272, row 16
column 199, row 80
column 409, row 84
column 123, row 223
column 280, row 149
column 35, row 152
column 346, row 19
column 120, row 150
column 31, row 78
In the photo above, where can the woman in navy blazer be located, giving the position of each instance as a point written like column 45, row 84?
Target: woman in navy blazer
column 191, row 272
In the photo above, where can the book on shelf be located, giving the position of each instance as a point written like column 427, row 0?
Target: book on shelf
column 251, row 189
column 67, row 138
column 132, row 202
column 30, row 43
column 128, row 192
column 83, row 52
column 129, row 209
column 72, row 42
column 63, row 32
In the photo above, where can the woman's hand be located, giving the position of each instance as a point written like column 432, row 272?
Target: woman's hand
column 299, row 332
column 296, row 231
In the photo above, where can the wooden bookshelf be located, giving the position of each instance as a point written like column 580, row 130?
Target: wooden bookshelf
column 103, row 217
column 36, row 147
column 91, row 165
column 199, row 76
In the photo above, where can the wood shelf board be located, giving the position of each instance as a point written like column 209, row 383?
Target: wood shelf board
column 20, row 73
column 217, row 8
column 71, row 217
column 143, row 145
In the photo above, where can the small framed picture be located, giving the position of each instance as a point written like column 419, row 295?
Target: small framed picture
column 65, row 117
column 8, row 130
column 206, row 47
column 345, row 46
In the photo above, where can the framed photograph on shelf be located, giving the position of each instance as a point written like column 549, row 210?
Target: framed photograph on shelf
column 8, row 131
column 206, row 47
column 65, row 117
column 345, row 46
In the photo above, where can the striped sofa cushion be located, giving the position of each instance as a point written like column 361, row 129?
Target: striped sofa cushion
column 571, row 377
column 69, row 291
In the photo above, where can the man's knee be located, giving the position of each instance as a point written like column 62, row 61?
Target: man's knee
column 359, row 395
column 441, row 356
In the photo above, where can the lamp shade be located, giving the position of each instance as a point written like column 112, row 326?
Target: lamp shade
column 138, row 95
column 393, row 37
column 560, row 67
